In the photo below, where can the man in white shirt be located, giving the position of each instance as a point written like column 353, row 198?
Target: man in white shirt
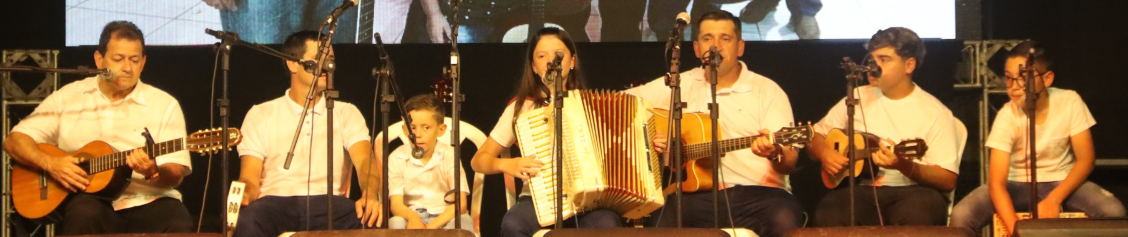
column 1065, row 153
column 893, row 108
column 754, row 180
column 278, row 200
column 115, row 110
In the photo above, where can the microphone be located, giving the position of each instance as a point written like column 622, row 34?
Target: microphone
column 416, row 151
column 222, row 35
column 714, row 58
column 107, row 74
column 340, row 10
column 552, row 72
column 872, row 68
column 679, row 27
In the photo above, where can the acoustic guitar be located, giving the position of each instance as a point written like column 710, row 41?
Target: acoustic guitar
column 697, row 151
column 37, row 196
column 866, row 144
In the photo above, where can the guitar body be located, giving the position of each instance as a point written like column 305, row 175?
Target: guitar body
column 696, row 128
column 837, row 140
column 38, row 197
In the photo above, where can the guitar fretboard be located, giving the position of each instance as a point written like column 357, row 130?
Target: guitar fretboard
column 705, row 149
column 364, row 21
column 117, row 159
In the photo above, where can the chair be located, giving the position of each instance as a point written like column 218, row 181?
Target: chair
column 961, row 136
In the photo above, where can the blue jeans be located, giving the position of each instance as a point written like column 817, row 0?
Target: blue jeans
column 521, row 219
column 398, row 223
column 976, row 210
column 273, row 215
column 271, row 21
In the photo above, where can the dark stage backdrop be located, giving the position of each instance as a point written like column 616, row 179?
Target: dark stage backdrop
column 806, row 70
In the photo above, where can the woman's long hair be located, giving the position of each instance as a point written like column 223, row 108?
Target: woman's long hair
column 531, row 86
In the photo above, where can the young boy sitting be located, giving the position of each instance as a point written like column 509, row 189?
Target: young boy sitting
column 420, row 187
column 1064, row 155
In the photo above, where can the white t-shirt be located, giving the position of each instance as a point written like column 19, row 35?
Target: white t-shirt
column 268, row 131
column 754, row 102
column 79, row 113
column 918, row 115
column 1069, row 116
column 424, row 185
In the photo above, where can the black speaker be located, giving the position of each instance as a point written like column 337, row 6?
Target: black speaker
column 384, row 232
column 922, row 231
column 639, row 232
column 1071, row 227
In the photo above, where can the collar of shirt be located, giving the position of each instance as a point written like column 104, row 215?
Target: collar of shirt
column 743, row 82
column 296, row 109
column 440, row 154
column 90, row 85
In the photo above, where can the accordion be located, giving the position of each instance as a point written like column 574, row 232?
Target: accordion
column 606, row 156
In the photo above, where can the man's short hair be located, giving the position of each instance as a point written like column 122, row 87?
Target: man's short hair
column 122, row 30
column 717, row 15
column 903, row 40
column 1042, row 61
column 295, row 44
column 427, row 102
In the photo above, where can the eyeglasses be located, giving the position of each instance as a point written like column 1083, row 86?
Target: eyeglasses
column 1021, row 79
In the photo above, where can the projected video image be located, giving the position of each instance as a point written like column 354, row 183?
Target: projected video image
column 182, row 22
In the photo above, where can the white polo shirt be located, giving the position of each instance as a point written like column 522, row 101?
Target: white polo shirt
column 268, row 130
column 918, row 115
column 79, row 113
column 424, row 185
column 1069, row 117
column 754, row 102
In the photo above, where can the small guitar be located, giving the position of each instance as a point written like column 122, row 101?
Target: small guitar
column 37, row 196
column 697, row 134
column 866, row 144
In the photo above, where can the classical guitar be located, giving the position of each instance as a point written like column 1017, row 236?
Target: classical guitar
column 866, row 144
column 697, row 151
column 37, row 196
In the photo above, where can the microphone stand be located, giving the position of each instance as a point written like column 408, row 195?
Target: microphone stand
column 1031, row 114
column 224, row 50
column 854, row 73
column 388, row 93
column 80, row 71
column 711, row 64
column 558, row 95
column 454, row 74
column 330, row 95
column 673, row 80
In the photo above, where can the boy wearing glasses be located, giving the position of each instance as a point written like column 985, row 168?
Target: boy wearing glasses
column 1065, row 154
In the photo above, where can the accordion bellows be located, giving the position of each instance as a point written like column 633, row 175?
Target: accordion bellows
column 606, row 154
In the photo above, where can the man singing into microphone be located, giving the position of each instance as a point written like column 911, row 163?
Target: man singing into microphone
column 908, row 192
column 278, row 199
column 114, row 109
column 754, row 181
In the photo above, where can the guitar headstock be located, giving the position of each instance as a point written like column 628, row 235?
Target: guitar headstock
column 801, row 134
column 443, row 89
column 911, row 149
column 211, row 140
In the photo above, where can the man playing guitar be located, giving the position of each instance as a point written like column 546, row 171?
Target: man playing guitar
column 114, row 109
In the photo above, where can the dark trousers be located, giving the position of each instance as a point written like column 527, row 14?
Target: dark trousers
column 273, row 215
column 662, row 14
column 907, row 205
column 765, row 210
column 621, row 20
column 86, row 214
column 521, row 219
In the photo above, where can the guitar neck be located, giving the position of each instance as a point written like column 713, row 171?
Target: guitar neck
column 365, row 20
column 705, row 149
column 117, row 159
